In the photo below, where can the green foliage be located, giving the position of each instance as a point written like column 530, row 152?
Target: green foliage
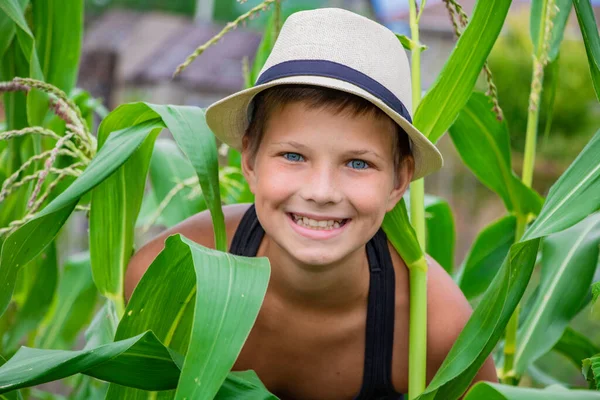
column 569, row 261
column 441, row 235
column 454, row 85
column 123, row 361
column 485, row 256
column 591, row 39
column 52, row 218
column 491, row 163
column 573, row 196
column 486, row 325
column 244, row 384
column 575, row 117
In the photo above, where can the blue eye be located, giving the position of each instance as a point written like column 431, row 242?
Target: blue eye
column 358, row 164
column 293, row 157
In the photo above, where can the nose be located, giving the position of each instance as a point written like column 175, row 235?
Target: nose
column 321, row 186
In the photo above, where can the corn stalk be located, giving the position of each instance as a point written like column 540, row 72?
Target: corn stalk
column 540, row 60
column 417, row 356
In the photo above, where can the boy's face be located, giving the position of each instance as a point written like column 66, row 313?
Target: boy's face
column 336, row 169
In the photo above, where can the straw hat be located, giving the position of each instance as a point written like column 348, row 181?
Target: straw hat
column 337, row 49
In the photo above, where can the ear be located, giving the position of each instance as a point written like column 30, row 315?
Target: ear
column 248, row 165
column 403, row 177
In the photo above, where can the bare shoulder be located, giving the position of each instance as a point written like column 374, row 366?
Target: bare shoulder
column 447, row 313
column 198, row 228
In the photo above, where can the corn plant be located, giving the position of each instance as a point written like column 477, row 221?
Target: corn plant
column 185, row 324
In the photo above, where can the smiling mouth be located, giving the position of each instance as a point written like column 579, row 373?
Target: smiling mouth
column 322, row 225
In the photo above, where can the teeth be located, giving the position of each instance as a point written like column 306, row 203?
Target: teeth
column 317, row 225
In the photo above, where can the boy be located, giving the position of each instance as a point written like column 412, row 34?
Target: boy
column 328, row 148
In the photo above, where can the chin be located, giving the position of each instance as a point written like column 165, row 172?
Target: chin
column 316, row 257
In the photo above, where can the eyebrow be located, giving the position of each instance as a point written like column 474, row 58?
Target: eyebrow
column 291, row 143
column 354, row 153
column 364, row 152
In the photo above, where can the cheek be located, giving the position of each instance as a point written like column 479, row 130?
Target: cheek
column 370, row 195
column 274, row 180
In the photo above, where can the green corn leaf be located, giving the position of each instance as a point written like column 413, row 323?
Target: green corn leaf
column 575, row 346
column 589, row 31
column 163, row 301
column 244, row 385
column 30, row 239
column 232, row 288
column 168, row 168
column 484, row 145
column 486, row 325
column 73, row 307
column 537, row 25
column 401, row 234
column 58, row 29
column 7, row 30
column 574, row 196
column 485, row 256
column 15, row 394
column 14, row 10
column 408, row 43
column 495, row 391
column 116, row 201
column 229, row 293
column 196, row 140
column 36, row 298
column 569, row 261
column 591, row 371
column 453, row 87
column 441, row 236
column 140, row 361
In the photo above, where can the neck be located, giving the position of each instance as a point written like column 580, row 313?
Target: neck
column 342, row 286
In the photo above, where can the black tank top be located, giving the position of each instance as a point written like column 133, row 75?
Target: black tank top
column 377, row 374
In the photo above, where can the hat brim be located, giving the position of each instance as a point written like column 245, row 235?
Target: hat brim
column 228, row 118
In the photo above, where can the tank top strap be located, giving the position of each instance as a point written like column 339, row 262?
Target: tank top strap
column 379, row 345
column 248, row 235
